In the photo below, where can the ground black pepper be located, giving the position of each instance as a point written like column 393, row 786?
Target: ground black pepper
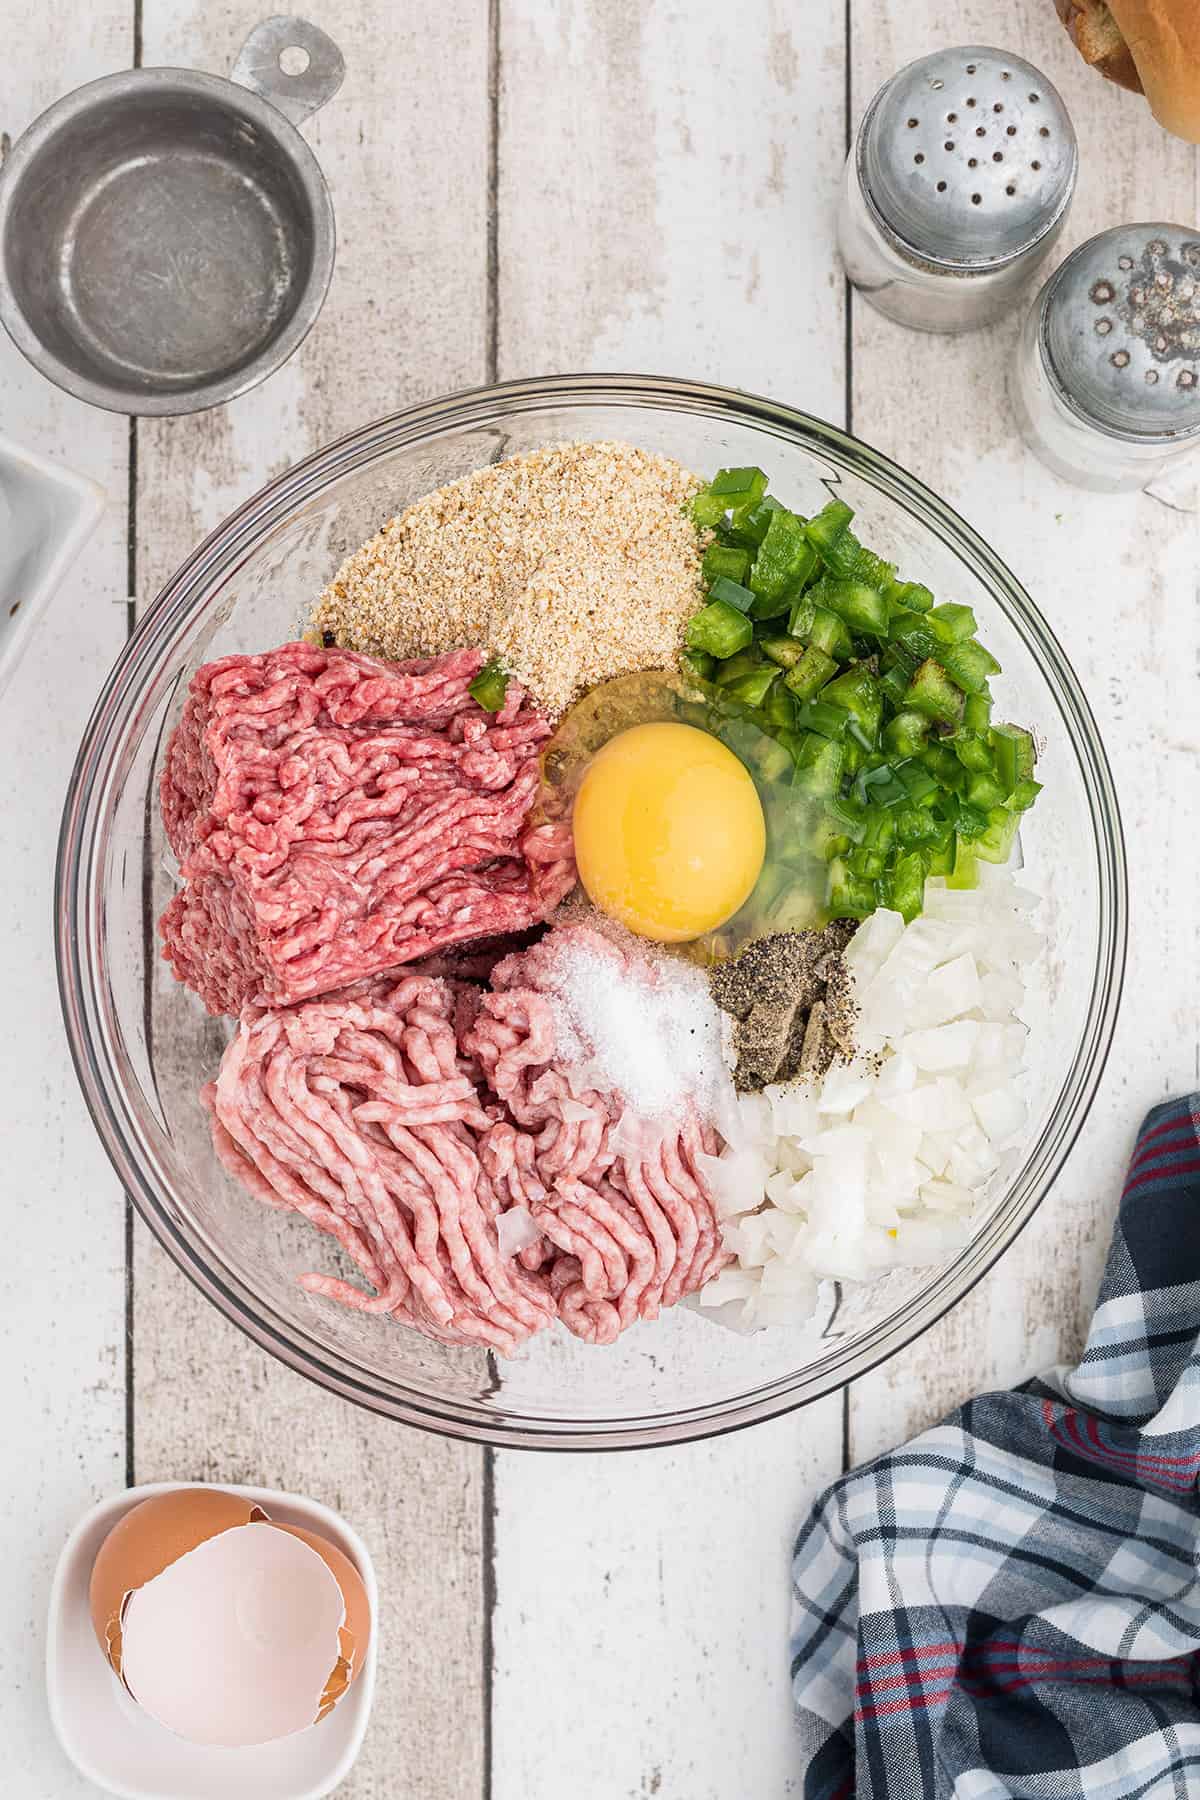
column 792, row 998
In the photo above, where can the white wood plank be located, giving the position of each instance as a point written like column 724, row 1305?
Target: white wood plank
column 62, row 1281
column 1116, row 578
column 646, row 220
column 666, row 182
column 405, row 318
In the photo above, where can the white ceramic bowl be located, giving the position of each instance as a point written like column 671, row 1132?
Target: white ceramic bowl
column 114, row 1744
column 47, row 514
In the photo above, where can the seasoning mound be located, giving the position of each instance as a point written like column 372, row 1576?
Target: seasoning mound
column 627, row 1021
column 570, row 565
column 791, row 998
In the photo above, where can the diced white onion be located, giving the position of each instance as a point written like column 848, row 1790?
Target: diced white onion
column 880, row 1166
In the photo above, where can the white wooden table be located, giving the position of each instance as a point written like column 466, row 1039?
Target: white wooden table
column 525, row 186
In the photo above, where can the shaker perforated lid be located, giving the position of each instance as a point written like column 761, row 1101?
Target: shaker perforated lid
column 1120, row 330
column 968, row 157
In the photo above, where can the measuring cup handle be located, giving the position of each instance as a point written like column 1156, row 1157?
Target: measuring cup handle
column 262, row 65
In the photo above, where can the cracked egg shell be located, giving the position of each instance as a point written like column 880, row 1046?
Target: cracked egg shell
column 225, row 1626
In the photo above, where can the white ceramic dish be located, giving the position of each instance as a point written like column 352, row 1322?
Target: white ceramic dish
column 47, row 514
column 123, row 1751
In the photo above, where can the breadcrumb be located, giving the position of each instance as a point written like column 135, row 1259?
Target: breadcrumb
column 571, row 565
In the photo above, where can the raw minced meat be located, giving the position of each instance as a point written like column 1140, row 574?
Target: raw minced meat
column 407, row 1117
column 335, row 816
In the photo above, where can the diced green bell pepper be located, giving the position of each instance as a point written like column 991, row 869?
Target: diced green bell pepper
column 729, row 488
column 489, row 687
column 749, row 524
column 965, row 872
column 707, row 510
column 860, row 605
column 969, row 664
column 879, row 829
column 874, row 571
column 826, row 527
column 970, row 822
column 952, row 622
column 729, row 560
column 752, row 688
column 995, row 844
column 828, row 633
column 910, row 596
column 827, row 840
column 732, row 593
column 911, row 632
column 785, row 561
column 905, row 734
column 1024, row 795
column 1014, row 753
column 931, row 692
column 849, row 820
column 896, row 656
column 974, row 751
column 870, row 863
column 894, row 683
column 941, row 856
column 858, row 691
column 800, row 619
column 772, row 761
column 829, row 721
column 784, row 650
column 811, row 673
column 743, row 662
column 779, row 709
column 843, row 556
column 719, row 629
column 739, row 487
column 977, row 712
column 917, row 782
column 906, row 885
column 942, row 763
column 916, row 825
column 698, row 664
column 984, row 791
column 849, row 895
column 818, row 764
column 879, row 786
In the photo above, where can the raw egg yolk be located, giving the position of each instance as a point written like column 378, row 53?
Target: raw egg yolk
column 669, row 831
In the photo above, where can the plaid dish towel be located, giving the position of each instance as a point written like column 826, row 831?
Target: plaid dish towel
column 1008, row 1608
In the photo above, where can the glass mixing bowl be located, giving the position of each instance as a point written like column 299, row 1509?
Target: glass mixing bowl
column 143, row 1046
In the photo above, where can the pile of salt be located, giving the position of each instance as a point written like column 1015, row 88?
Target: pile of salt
column 646, row 1029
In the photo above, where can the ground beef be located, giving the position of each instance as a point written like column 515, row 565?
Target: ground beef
column 334, row 816
column 405, row 1116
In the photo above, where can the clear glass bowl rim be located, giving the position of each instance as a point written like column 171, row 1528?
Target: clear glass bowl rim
column 115, row 723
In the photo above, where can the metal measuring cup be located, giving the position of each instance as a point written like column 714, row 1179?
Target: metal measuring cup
column 166, row 236
column 958, row 183
column 1106, row 381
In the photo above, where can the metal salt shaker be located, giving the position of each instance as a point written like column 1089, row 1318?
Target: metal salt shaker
column 957, row 185
column 1106, row 384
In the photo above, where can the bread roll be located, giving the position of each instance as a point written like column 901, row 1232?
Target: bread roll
column 1164, row 40
column 1151, row 46
column 1099, row 40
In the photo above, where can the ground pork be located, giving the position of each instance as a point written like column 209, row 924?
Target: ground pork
column 334, row 816
column 406, row 1116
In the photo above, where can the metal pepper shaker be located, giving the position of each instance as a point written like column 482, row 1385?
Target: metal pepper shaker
column 1106, row 383
column 957, row 185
